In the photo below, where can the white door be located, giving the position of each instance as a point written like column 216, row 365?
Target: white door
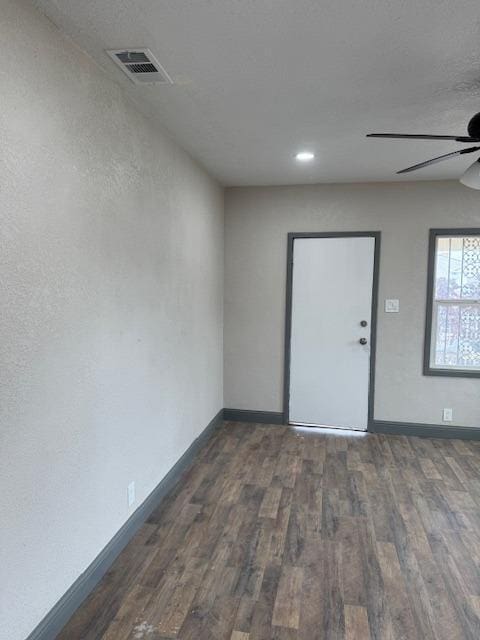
column 332, row 288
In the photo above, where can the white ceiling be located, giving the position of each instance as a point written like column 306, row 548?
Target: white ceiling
column 257, row 80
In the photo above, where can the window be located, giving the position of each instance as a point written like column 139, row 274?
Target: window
column 452, row 339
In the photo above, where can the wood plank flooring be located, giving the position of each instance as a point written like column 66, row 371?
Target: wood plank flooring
column 284, row 534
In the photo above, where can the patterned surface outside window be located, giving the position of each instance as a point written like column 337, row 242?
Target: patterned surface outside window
column 456, row 304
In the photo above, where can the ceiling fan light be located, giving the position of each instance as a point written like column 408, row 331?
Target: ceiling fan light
column 471, row 177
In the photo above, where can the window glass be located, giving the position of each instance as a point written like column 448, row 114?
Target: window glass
column 456, row 303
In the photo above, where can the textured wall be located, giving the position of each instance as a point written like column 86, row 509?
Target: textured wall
column 111, row 282
column 257, row 222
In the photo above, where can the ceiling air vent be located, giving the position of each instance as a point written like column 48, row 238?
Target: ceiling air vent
column 140, row 66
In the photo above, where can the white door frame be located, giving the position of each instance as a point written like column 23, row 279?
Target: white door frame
column 288, row 315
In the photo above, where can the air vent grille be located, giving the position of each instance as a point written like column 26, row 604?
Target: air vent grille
column 132, row 56
column 140, row 65
column 142, row 68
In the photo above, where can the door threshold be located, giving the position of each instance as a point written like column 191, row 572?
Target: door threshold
column 326, row 426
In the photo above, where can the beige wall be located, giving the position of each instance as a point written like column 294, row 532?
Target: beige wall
column 111, row 278
column 257, row 222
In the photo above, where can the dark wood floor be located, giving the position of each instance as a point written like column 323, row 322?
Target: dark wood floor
column 286, row 535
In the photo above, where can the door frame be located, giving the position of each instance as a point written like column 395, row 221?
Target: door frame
column 288, row 312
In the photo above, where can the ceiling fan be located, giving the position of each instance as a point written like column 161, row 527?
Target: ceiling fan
column 471, row 177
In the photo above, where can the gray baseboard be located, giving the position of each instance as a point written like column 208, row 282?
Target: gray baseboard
column 424, row 430
column 375, row 426
column 245, row 415
column 59, row 615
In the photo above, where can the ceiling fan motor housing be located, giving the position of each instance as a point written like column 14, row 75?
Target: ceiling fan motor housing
column 474, row 126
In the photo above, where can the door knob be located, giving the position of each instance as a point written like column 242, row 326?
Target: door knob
column 363, row 323
column 363, row 341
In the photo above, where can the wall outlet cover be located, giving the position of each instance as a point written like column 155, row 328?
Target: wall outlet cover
column 447, row 415
column 392, row 306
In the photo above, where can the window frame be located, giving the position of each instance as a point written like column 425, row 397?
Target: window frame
column 428, row 370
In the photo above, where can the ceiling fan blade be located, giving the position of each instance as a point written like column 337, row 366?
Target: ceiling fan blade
column 439, row 159
column 414, row 136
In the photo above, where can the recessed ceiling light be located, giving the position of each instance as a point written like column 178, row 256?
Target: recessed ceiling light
column 305, row 156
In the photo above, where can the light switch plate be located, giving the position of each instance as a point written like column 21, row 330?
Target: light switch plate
column 392, row 306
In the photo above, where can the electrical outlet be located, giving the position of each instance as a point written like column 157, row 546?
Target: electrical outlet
column 447, row 415
column 131, row 493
